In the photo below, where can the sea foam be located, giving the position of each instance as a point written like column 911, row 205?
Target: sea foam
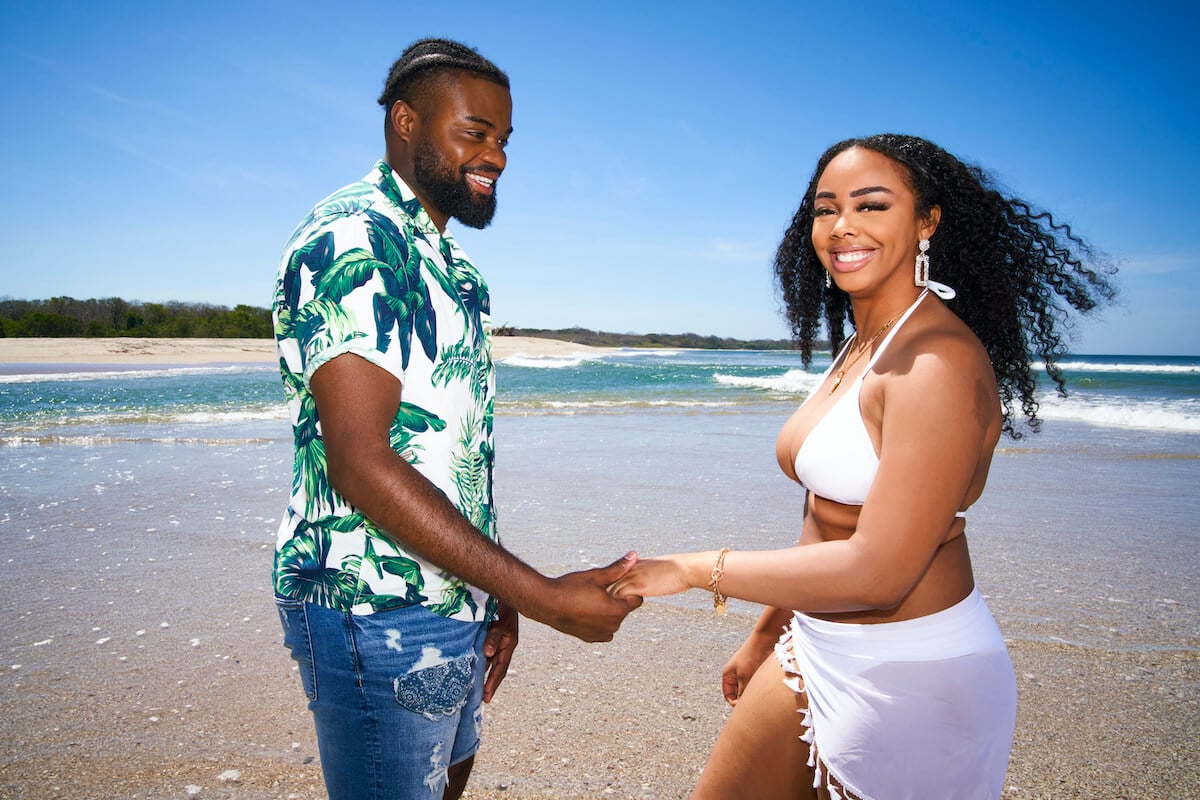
column 1113, row 367
column 109, row 374
column 794, row 381
column 1182, row 416
column 545, row 362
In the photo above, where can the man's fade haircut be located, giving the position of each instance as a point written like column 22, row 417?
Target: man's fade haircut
column 415, row 74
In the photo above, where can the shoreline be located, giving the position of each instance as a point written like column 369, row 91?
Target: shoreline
column 17, row 353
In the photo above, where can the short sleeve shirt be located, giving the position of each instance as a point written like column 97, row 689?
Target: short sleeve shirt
column 368, row 273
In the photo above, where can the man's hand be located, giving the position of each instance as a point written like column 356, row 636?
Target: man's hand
column 498, row 648
column 579, row 606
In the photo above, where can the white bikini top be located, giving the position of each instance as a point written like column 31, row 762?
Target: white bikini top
column 837, row 459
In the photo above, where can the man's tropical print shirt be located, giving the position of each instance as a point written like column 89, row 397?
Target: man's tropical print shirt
column 368, row 273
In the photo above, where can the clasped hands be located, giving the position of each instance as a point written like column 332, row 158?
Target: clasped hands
column 655, row 577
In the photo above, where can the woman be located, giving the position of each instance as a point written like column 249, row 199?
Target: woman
column 902, row 679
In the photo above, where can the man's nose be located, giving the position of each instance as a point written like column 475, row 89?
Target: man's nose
column 494, row 155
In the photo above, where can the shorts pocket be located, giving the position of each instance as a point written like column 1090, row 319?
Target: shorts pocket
column 437, row 690
column 293, row 616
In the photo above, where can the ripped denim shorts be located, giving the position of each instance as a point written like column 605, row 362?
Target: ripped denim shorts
column 396, row 695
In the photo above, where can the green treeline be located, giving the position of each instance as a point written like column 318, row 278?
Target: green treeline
column 112, row 316
column 66, row 317
column 669, row 340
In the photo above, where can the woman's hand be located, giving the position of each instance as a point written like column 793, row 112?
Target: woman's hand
column 744, row 663
column 754, row 651
column 655, row 577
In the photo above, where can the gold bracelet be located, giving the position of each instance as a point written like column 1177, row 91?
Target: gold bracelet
column 715, row 582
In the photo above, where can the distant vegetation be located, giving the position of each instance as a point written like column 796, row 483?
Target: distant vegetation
column 604, row 339
column 112, row 316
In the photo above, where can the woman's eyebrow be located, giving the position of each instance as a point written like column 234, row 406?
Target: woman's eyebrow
column 855, row 193
column 870, row 190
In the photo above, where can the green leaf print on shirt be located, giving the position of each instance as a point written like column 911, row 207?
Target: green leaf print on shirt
column 401, row 566
column 411, row 420
column 309, row 475
column 405, row 300
column 461, row 361
column 323, row 323
column 316, row 256
column 391, row 191
column 472, row 472
column 349, row 271
column 301, row 572
column 348, row 200
column 454, row 597
column 469, row 287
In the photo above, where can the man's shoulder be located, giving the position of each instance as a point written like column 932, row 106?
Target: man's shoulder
column 354, row 199
column 366, row 203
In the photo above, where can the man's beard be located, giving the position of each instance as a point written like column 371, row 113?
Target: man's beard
column 447, row 188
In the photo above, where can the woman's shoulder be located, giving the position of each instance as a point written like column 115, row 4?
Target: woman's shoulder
column 937, row 347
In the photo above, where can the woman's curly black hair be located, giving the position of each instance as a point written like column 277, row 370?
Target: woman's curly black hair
column 1017, row 271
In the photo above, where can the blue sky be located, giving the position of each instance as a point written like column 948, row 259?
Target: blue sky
column 164, row 151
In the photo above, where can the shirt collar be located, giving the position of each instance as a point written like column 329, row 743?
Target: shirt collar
column 399, row 193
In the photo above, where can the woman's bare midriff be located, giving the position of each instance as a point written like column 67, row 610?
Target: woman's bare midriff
column 947, row 581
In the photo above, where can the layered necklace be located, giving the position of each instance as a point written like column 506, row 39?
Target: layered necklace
column 859, row 350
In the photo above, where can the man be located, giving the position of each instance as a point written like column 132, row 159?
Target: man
column 396, row 599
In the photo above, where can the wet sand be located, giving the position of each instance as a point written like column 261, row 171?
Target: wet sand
column 143, row 660
column 193, row 696
column 143, row 655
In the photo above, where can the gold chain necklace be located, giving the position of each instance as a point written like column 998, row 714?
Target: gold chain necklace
column 858, row 353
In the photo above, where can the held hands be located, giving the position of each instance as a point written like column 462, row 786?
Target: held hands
column 580, row 606
column 655, row 577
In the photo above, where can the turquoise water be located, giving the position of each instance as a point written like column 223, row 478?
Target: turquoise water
column 1086, row 533
column 1123, row 392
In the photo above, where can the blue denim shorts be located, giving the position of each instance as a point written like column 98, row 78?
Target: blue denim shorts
column 396, row 695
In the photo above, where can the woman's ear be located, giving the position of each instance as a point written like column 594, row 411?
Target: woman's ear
column 930, row 222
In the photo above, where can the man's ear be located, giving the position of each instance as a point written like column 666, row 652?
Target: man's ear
column 403, row 119
column 930, row 222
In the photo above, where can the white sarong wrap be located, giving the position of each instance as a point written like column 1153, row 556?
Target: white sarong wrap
column 917, row 709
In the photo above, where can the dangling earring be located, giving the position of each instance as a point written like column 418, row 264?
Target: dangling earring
column 921, row 276
column 828, row 281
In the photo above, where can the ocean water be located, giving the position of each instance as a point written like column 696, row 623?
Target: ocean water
column 1086, row 535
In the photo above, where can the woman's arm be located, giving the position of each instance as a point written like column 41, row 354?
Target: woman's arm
column 937, row 412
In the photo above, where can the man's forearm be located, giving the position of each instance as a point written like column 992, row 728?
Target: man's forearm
column 412, row 512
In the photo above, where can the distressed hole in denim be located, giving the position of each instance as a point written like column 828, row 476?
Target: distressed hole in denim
column 440, row 689
column 435, row 781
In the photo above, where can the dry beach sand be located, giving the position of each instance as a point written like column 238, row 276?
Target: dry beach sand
column 210, row 351
column 158, row 673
